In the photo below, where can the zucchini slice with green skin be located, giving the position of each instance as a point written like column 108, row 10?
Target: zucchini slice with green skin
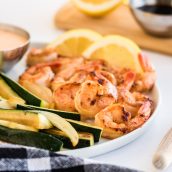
column 11, row 103
column 85, row 139
column 30, row 138
column 15, row 125
column 4, row 104
column 63, row 114
column 23, row 93
column 84, row 127
column 33, row 119
column 63, row 125
column 7, row 92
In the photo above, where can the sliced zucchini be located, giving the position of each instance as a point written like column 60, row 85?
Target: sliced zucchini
column 15, row 125
column 84, row 127
column 8, row 104
column 7, row 93
column 85, row 139
column 63, row 125
column 4, row 104
column 63, row 114
column 30, row 138
column 33, row 119
column 23, row 93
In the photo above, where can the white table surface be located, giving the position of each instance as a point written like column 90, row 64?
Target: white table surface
column 37, row 17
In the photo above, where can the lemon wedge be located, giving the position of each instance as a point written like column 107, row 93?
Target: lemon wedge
column 117, row 51
column 72, row 43
column 96, row 7
column 126, row 2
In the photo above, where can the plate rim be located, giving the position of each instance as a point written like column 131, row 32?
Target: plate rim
column 130, row 136
column 138, row 130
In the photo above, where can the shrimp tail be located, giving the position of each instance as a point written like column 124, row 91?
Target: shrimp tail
column 145, row 63
column 143, row 115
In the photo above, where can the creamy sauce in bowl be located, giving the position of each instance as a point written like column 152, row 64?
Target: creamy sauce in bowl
column 10, row 40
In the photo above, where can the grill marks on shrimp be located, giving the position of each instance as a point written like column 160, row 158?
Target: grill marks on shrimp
column 100, row 81
column 113, row 96
column 125, row 115
column 93, row 102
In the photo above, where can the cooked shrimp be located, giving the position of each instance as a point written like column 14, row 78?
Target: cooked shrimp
column 129, row 79
column 57, row 81
column 82, row 75
column 92, row 65
column 142, row 116
column 113, row 119
column 125, row 78
column 79, row 76
column 146, row 80
column 40, row 74
column 125, row 86
column 70, row 68
column 91, row 98
column 133, row 101
column 108, row 86
column 37, row 56
column 67, row 70
column 120, row 74
column 117, row 119
column 64, row 96
column 140, row 106
column 108, row 76
column 76, row 70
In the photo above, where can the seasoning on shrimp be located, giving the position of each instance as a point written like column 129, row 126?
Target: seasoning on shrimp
column 146, row 80
column 116, row 119
column 88, row 103
column 112, row 96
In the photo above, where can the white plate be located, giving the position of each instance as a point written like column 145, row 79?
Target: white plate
column 104, row 145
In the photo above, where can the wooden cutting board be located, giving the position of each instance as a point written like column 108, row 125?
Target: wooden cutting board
column 120, row 22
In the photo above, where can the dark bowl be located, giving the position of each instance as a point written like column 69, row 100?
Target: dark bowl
column 155, row 24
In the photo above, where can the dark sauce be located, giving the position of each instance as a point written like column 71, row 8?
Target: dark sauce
column 157, row 9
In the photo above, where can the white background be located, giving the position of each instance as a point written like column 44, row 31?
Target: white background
column 37, row 17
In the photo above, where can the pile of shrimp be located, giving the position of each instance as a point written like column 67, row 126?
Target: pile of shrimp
column 115, row 98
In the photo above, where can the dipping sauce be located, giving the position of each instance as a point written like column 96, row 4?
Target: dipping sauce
column 157, row 9
column 10, row 40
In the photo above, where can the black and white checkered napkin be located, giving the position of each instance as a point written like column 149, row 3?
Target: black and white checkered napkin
column 21, row 158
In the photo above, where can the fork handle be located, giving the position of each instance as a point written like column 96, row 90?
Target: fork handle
column 163, row 156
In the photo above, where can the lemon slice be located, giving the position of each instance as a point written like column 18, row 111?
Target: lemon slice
column 72, row 43
column 117, row 51
column 96, row 7
column 126, row 2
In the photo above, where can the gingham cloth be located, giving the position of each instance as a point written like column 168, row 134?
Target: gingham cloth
column 22, row 158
